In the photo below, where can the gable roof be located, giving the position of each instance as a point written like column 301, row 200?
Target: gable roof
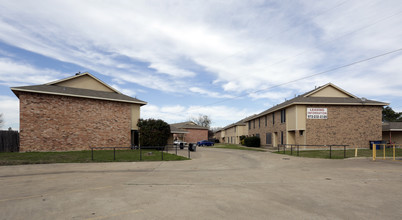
column 81, row 75
column 239, row 123
column 188, row 125
column 174, row 130
column 392, row 126
column 53, row 88
column 308, row 99
column 75, row 92
column 326, row 86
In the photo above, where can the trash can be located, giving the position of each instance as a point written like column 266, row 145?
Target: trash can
column 181, row 146
column 192, row 147
column 375, row 142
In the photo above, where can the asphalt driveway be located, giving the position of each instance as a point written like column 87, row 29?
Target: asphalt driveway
column 215, row 184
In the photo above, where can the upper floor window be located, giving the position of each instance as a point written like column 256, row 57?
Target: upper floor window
column 283, row 115
column 273, row 117
column 266, row 121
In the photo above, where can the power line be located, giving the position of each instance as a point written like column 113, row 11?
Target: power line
column 312, row 75
column 283, row 31
column 339, row 37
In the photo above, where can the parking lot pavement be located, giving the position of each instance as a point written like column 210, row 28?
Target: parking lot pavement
column 215, row 184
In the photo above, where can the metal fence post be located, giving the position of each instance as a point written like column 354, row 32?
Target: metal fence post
column 297, row 150
column 330, row 152
column 114, row 153
column 291, row 149
column 176, row 148
column 344, row 151
column 188, row 152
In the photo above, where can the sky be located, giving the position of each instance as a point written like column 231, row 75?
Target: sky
column 224, row 59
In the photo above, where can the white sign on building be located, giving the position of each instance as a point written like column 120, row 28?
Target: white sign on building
column 317, row 113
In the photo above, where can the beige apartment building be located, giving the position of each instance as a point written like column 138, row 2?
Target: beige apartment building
column 231, row 134
column 327, row 115
column 234, row 131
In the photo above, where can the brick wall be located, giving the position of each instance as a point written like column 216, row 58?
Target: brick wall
column 351, row 125
column 195, row 135
column 262, row 129
column 59, row 123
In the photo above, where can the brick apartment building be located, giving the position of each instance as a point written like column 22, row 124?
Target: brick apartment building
column 76, row 113
column 327, row 115
column 188, row 132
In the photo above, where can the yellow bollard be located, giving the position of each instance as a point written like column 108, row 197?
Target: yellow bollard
column 356, row 152
column 374, row 151
column 394, row 151
column 383, row 151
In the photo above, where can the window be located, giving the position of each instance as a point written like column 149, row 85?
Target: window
column 283, row 115
column 235, row 129
column 266, row 121
column 249, row 125
column 273, row 117
column 259, row 123
column 254, row 123
column 257, row 135
column 281, row 137
column 301, row 132
column 268, row 138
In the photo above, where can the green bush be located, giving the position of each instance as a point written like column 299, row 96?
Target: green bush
column 153, row 132
column 252, row 141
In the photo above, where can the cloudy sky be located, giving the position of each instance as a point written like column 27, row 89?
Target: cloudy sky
column 225, row 59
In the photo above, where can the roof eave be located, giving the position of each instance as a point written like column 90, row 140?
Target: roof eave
column 314, row 103
column 78, row 96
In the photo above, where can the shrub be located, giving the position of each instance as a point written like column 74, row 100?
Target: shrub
column 252, row 141
column 153, row 132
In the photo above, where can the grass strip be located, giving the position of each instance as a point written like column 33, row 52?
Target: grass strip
column 85, row 157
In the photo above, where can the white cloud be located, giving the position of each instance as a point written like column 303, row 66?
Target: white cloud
column 128, row 92
column 18, row 74
column 10, row 109
column 209, row 93
column 220, row 115
column 243, row 45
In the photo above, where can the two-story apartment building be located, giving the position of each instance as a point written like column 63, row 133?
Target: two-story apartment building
column 327, row 115
column 76, row 113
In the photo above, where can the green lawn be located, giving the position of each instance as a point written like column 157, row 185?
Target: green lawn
column 85, row 157
column 339, row 154
column 236, row 147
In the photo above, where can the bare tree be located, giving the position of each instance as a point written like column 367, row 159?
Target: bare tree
column 1, row 120
column 202, row 120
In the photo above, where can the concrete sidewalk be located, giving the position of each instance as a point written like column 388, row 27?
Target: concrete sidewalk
column 215, row 184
